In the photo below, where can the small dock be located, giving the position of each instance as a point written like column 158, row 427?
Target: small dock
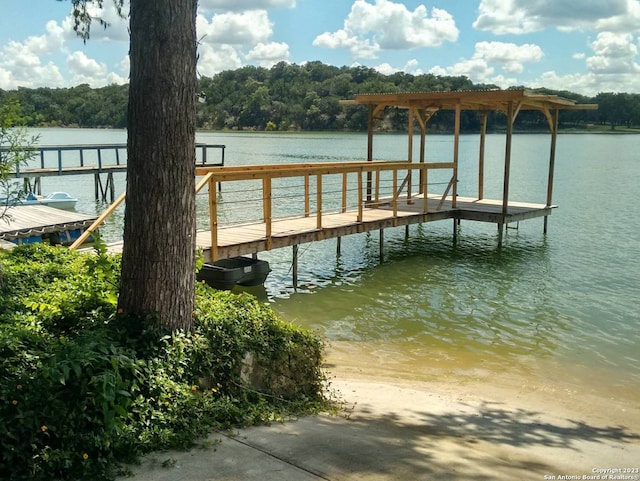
column 32, row 223
column 99, row 160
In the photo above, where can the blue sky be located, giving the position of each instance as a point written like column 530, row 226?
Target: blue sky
column 586, row 46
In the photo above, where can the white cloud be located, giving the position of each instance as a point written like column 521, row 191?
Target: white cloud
column 628, row 21
column 22, row 65
column 239, row 5
column 267, row 55
column 477, row 69
column 85, row 70
column 217, row 58
column 509, row 55
column 246, row 28
column 230, row 37
column 386, row 25
column 480, row 68
column 615, row 53
column 525, row 16
column 410, row 67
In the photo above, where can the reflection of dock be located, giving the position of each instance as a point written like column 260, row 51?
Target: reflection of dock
column 33, row 223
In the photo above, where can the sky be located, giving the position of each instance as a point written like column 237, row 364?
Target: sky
column 584, row 46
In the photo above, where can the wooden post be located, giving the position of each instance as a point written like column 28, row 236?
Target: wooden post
column 359, row 218
column 266, row 207
column 507, row 160
column 412, row 113
column 338, row 245
column 456, row 150
column 552, row 162
column 381, row 246
column 455, row 230
column 483, row 134
column 294, row 266
column 423, row 136
column 370, row 122
column 319, row 201
column 344, row 192
column 213, row 218
column 394, row 199
column 307, row 194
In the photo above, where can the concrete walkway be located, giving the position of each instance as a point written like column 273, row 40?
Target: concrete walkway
column 391, row 432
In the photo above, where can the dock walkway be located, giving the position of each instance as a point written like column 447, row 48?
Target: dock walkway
column 28, row 223
column 251, row 238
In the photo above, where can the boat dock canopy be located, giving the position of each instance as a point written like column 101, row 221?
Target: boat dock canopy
column 470, row 100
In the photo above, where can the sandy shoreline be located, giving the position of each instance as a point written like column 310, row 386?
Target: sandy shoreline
column 447, row 420
column 513, row 423
column 568, row 391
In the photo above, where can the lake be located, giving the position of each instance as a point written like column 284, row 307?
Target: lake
column 563, row 307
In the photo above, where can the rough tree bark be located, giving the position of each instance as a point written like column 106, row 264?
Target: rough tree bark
column 158, row 260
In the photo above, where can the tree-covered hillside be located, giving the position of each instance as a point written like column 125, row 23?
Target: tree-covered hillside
column 300, row 97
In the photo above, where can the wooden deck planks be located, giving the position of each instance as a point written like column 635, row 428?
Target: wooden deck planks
column 23, row 219
column 236, row 240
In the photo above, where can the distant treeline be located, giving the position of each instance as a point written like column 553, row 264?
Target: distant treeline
column 301, row 97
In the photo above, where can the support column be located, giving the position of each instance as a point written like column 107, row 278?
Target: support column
column 338, row 246
column 294, row 266
column 507, row 158
column 370, row 123
column 381, row 246
column 456, row 150
column 552, row 161
column 483, row 133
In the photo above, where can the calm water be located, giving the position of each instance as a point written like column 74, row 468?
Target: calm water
column 569, row 300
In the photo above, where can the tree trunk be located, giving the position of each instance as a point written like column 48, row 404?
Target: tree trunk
column 158, row 259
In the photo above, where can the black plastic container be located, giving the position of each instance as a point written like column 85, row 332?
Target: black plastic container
column 226, row 273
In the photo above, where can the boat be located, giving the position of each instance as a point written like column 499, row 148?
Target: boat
column 59, row 200
column 224, row 274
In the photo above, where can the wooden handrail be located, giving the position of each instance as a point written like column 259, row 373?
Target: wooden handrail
column 85, row 235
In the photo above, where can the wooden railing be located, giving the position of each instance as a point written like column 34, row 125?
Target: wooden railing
column 320, row 188
column 353, row 193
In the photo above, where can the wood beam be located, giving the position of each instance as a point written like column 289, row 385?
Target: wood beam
column 507, row 161
column 552, row 160
column 456, row 151
column 483, row 134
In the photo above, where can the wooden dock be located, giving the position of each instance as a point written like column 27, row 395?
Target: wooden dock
column 335, row 199
column 27, row 223
column 99, row 160
column 274, row 206
column 251, row 238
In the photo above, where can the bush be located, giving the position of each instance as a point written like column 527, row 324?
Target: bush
column 84, row 389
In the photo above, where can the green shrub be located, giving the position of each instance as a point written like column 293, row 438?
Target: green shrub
column 83, row 389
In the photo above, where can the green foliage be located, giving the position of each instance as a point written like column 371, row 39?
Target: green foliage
column 15, row 151
column 83, row 389
column 301, row 97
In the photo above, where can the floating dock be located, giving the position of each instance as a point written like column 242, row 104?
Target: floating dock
column 25, row 224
